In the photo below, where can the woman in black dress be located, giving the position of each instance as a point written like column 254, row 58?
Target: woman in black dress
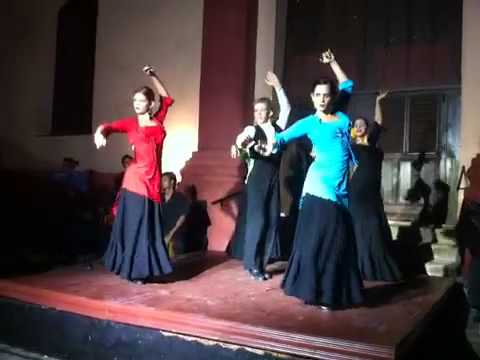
column 372, row 232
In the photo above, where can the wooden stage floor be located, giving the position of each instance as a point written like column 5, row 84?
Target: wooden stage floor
column 211, row 297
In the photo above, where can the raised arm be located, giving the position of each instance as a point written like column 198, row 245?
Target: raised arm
column 159, row 87
column 272, row 80
column 378, row 106
column 328, row 58
column 345, row 85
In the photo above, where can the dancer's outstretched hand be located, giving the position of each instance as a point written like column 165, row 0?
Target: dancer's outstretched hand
column 272, row 80
column 327, row 57
column 99, row 139
column 147, row 69
column 234, row 152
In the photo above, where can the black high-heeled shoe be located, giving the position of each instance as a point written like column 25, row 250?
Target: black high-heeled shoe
column 258, row 275
column 323, row 307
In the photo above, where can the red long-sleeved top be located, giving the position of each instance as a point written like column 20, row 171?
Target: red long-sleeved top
column 144, row 174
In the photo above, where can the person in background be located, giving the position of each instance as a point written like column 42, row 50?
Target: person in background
column 70, row 177
column 175, row 207
column 126, row 161
column 372, row 231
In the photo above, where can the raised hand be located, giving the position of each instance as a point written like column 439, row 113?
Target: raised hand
column 147, row 69
column 327, row 57
column 378, row 106
column 157, row 83
column 99, row 139
column 272, row 80
column 382, row 94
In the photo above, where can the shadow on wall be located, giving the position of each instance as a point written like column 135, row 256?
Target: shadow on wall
column 196, row 222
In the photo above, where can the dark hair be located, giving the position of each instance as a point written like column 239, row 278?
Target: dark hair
column 338, row 101
column 418, row 163
column 147, row 92
column 171, row 177
column 125, row 157
column 266, row 101
column 373, row 132
column 441, row 186
column 324, row 81
column 367, row 123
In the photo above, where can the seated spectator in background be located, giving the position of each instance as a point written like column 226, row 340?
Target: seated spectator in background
column 75, row 225
column 73, row 179
column 196, row 223
column 439, row 212
column 420, row 192
column 126, row 161
column 175, row 207
column 413, row 246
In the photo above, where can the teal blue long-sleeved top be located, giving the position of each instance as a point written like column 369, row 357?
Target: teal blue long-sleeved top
column 327, row 176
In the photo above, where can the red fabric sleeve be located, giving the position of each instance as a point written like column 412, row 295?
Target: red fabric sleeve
column 122, row 126
column 162, row 112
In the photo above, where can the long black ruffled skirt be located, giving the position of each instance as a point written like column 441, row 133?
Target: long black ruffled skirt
column 323, row 266
column 137, row 249
column 374, row 241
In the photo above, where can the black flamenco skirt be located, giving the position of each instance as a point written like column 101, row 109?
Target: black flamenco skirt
column 137, row 250
column 323, row 267
column 374, row 241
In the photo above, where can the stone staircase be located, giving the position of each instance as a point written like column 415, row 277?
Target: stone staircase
column 446, row 259
column 445, row 255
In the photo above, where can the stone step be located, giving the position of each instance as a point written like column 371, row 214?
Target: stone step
column 445, row 252
column 445, row 235
column 441, row 269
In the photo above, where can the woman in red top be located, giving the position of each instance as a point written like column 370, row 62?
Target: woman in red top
column 137, row 250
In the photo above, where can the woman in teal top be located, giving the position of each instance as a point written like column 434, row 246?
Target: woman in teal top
column 328, row 174
column 323, row 268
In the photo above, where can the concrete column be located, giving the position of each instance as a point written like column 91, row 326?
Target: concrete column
column 470, row 114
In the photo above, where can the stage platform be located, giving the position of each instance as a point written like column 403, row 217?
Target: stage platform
column 211, row 301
